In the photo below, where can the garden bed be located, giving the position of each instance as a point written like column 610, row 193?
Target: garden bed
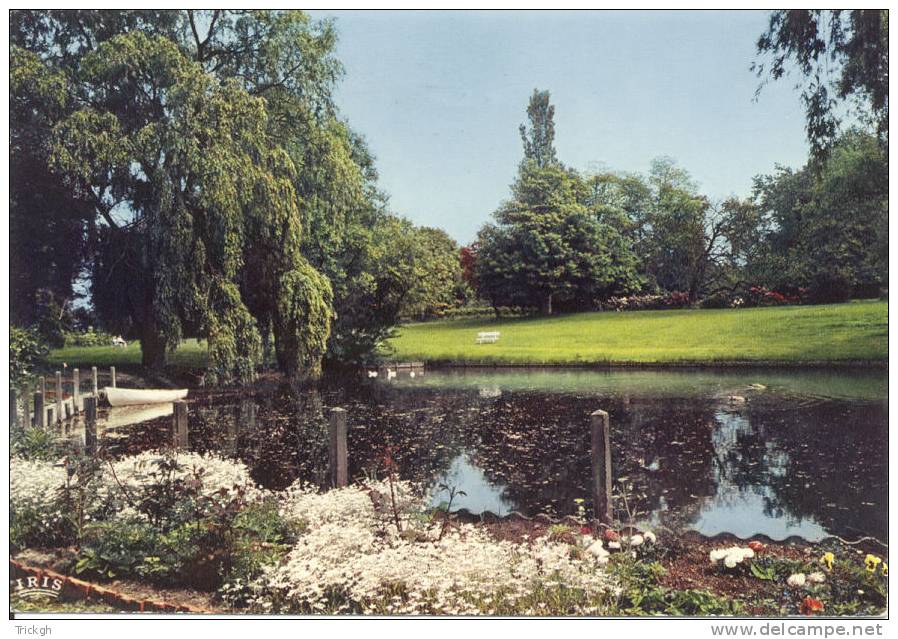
column 167, row 532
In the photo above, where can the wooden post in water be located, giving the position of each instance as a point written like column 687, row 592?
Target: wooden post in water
column 601, row 466
column 40, row 415
column 60, row 414
column 90, row 425
column 76, row 390
column 338, row 449
column 13, row 408
column 93, row 373
column 179, row 430
column 112, row 375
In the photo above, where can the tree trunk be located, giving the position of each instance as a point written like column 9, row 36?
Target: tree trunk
column 152, row 349
column 546, row 308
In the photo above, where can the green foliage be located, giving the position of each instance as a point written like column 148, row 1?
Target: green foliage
column 117, row 549
column 216, row 160
column 26, row 354
column 194, row 162
column 35, row 444
column 842, row 58
column 47, row 221
column 547, row 249
column 643, row 595
column 436, row 280
column 763, row 573
column 827, row 225
column 302, row 321
column 538, row 139
column 263, row 538
column 90, row 337
column 29, row 528
column 49, row 318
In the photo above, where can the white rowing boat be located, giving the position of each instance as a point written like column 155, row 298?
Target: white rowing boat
column 135, row 396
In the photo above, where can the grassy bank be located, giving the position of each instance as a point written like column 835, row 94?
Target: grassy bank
column 857, row 331
column 190, row 354
column 784, row 335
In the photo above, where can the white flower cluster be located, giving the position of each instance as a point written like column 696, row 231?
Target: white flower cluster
column 218, row 472
column 732, row 556
column 799, row 579
column 352, row 558
column 36, row 485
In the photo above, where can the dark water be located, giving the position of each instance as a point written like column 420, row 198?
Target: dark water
column 805, row 455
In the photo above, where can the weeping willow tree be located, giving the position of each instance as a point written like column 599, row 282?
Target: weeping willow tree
column 201, row 224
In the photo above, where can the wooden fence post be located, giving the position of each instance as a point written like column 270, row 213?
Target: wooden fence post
column 40, row 415
column 76, row 391
column 13, row 408
column 60, row 414
column 112, row 375
column 601, row 466
column 51, row 416
column 90, row 425
column 44, row 385
column 26, row 409
column 93, row 373
column 179, row 431
column 338, row 451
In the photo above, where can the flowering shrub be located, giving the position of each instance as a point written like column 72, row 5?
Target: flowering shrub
column 41, row 491
column 353, row 560
column 676, row 299
column 36, row 515
column 761, row 296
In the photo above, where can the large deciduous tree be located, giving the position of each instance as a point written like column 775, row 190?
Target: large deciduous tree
column 826, row 226
column 547, row 249
column 183, row 172
column 283, row 57
column 550, row 246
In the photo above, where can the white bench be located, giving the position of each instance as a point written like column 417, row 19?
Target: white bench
column 487, row 337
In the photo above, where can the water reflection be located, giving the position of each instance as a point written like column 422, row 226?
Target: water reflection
column 479, row 493
column 785, row 462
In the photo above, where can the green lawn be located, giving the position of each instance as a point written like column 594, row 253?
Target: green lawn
column 190, row 354
column 789, row 334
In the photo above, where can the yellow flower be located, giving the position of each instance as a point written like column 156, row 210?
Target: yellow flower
column 885, row 569
column 872, row 561
column 828, row 559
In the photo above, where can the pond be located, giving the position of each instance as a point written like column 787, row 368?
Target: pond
column 772, row 452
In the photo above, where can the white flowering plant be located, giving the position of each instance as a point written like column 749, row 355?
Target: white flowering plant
column 153, row 514
column 352, row 560
column 731, row 557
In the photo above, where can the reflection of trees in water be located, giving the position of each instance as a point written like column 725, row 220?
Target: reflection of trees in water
column 538, row 445
column 821, row 460
column 664, row 449
column 825, row 461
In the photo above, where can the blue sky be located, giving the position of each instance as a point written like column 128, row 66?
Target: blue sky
column 439, row 97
